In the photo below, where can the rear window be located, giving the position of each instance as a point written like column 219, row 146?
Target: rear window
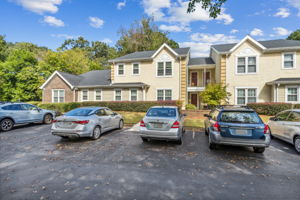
column 80, row 112
column 240, row 117
column 161, row 112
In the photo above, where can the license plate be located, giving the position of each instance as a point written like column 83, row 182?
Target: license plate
column 65, row 124
column 241, row 132
column 157, row 125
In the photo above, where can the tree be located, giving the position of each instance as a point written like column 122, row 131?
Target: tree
column 215, row 94
column 294, row 35
column 80, row 42
column 143, row 35
column 214, row 6
column 3, row 48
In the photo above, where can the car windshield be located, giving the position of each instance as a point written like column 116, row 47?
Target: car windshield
column 161, row 112
column 240, row 117
column 80, row 112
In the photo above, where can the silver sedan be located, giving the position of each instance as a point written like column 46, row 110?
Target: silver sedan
column 86, row 122
column 286, row 126
column 162, row 123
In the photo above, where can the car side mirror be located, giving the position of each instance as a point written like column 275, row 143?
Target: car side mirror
column 206, row 115
column 273, row 119
column 183, row 115
column 114, row 114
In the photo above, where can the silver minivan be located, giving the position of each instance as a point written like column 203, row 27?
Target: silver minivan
column 286, row 126
column 162, row 123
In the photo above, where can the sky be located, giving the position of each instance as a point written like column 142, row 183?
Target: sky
column 49, row 22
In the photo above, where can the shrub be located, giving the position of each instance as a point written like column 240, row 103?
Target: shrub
column 137, row 106
column 271, row 108
column 190, row 107
column 214, row 94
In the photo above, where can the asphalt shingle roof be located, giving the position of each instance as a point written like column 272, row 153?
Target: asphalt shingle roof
column 201, row 61
column 285, row 80
column 269, row 44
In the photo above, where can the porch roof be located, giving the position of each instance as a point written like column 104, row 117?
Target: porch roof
column 284, row 81
column 200, row 61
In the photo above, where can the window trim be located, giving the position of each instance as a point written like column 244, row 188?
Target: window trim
column 246, row 95
column 286, row 93
column 118, row 69
column 246, row 64
column 95, row 99
column 133, row 68
column 164, row 96
column 164, row 62
column 294, row 60
column 137, row 94
column 58, row 95
column 87, row 94
column 115, row 94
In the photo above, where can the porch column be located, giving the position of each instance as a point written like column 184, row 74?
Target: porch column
column 204, row 77
column 144, row 94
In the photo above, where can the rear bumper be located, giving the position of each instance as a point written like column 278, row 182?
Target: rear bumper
column 218, row 139
column 172, row 134
column 70, row 133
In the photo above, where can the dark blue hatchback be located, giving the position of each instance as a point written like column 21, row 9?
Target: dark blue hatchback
column 238, row 126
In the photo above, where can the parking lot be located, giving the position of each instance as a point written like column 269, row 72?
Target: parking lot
column 36, row 165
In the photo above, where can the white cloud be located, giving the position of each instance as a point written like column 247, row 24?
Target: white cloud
column 53, row 21
column 40, row 6
column 257, row 32
column 96, row 22
column 175, row 12
column 174, row 28
column 281, row 31
column 121, row 4
column 282, row 12
column 233, row 31
column 106, row 40
column 295, row 4
column 66, row 36
column 198, row 48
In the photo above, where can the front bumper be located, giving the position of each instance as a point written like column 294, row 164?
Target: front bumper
column 216, row 138
column 172, row 134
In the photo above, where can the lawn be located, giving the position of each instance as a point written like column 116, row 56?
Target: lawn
column 190, row 121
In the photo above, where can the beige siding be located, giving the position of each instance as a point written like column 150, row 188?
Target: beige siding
column 269, row 68
column 217, row 59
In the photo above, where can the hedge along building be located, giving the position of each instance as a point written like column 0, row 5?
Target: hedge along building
column 254, row 71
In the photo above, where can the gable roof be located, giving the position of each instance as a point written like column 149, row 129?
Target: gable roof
column 268, row 44
column 201, row 61
column 148, row 55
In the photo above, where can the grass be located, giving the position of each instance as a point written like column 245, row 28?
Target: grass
column 197, row 122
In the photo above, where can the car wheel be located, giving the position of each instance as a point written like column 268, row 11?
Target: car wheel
column 48, row 119
column 6, row 125
column 96, row 133
column 121, row 124
column 297, row 144
column 211, row 145
column 206, row 132
column 259, row 149
column 179, row 142
column 144, row 139
column 64, row 137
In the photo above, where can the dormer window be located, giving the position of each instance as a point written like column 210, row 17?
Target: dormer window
column 121, row 69
column 288, row 60
column 164, row 68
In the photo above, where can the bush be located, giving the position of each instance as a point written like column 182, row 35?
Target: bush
column 271, row 108
column 190, row 107
column 138, row 106
column 214, row 95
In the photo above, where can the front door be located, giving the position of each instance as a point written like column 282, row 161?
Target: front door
column 207, row 77
column 194, row 81
column 194, row 99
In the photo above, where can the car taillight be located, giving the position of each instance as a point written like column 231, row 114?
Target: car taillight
column 217, row 127
column 266, row 129
column 54, row 121
column 175, row 124
column 81, row 122
column 142, row 123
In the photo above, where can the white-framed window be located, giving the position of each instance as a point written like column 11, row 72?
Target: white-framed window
column 246, row 95
column 85, row 95
column 246, row 65
column 98, row 94
column 121, row 69
column 164, row 68
column 289, row 60
column 292, row 94
column 58, row 95
column 133, row 94
column 118, row 95
column 164, row 94
column 135, row 69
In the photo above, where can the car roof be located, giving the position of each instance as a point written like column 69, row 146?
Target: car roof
column 164, row 107
column 234, row 108
column 89, row 107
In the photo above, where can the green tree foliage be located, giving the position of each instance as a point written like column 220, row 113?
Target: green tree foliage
column 143, row 35
column 3, row 48
column 214, row 7
column 215, row 94
column 294, row 35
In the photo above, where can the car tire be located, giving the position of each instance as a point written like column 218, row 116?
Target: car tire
column 211, row 145
column 48, row 119
column 121, row 124
column 6, row 125
column 96, row 133
column 64, row 137
column 145, row 139
column 259, row 149
column 297, row 143
column 205, row 131
column 179, row 142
